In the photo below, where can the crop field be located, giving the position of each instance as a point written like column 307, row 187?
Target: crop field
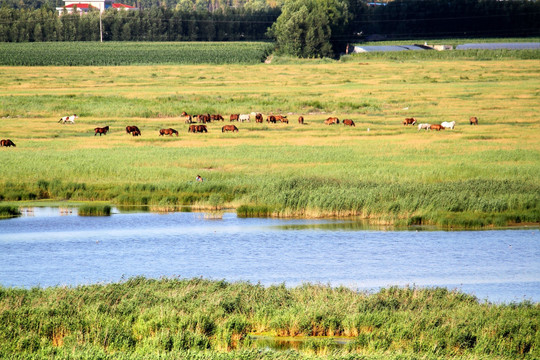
column 380, row 170
column 132, row 53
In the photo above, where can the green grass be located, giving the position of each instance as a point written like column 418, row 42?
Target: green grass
column 94, row 210
column 132, row 53
column 178, row 318
column 9, row 211
column 473, row 176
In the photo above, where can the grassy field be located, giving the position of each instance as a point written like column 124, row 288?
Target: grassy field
column 200, row 319
column 471, row 176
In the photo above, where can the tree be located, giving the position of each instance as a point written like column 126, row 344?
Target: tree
column 305, row 27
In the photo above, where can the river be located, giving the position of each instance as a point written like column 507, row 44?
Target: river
column 46, row 248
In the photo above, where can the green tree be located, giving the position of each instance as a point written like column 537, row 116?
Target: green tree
column 305, row 27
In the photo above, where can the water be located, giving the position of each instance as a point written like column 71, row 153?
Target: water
column 46, row 249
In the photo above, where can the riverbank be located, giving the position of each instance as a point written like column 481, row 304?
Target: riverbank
column 379, row 170
column 180, row 318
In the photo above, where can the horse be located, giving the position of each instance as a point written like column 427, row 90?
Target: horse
column 202, row 128
column 436, row 127
column 331, row 121
column 184, row 113
column 244, row 117
column 7, row 143
column 136, row 132
column 70, row 119
column 216, row 117
column 423, row 126
column 234, row 117
column 448, row 125
column 188, row 119
column 271, row 119
column 192, row 128
column 203, row 118
column 100, row 131
column 258, row 118
column 348, row 122
column 409, row 121
column 282, row 118
column 229, row 128
column 300, row 119
column 473, row 120
column 131, row 129
column 168, row 131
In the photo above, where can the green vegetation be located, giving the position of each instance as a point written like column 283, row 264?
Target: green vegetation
column 472, row 176
column 9, row 211
column 132, row 53
column 94, row 210
column 177, row 318
column 448, row 55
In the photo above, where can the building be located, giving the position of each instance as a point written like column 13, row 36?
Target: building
column 83, row 6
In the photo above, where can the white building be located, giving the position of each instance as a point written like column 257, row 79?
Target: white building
column 83, row 6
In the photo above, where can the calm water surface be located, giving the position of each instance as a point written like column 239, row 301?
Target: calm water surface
column 46, row 249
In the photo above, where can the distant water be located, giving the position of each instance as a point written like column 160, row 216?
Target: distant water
column 46, row 249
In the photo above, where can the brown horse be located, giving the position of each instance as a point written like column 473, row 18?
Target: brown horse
column 235, row 117
column 409, row 121
column 259, row 118
column 473, row 120
column 300, row 119
column 229, row 128
column 348, row 122
column 282, row 118
column 100, row 131
column 7, row 143
column 204, row 118
column 202, row 128
column 217, row 117
column 271, row 119
column 131, row 129
column 168, row 131
column 136, row 132
column 436, row 127
column 331, row 121
column 184, row 113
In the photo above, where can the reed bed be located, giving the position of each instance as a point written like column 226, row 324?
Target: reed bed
column 9, row 211
column 183, row 318
column 94, row 210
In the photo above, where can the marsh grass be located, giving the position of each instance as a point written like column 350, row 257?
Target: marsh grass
column 9, row 211
column 94, row 210
column 472, row 176
column 179, row 318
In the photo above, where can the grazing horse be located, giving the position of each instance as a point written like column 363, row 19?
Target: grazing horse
column 168, row 131
column 300, row 119
column 68, row 119
column 202, row 128
column 271, row 119
column 436, row 127
column 188, row 119
column 7, row 143
column 244, row 117
column 473, row 120
column 348, row 122
column 217, row 117
column 448, row 124
column 282, row 118
column 229, row 128
column 409, row 121
column 100, row 131
column 136, row 132
column 203, row 118
column 423, row 126
column 131, row 129
column 259, row 118
column 331, row 121
column 234, row 117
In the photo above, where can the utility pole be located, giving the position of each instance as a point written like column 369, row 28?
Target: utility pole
column 100, row 27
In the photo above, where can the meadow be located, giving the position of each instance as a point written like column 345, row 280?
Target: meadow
column 472, row 176
column 201, row 319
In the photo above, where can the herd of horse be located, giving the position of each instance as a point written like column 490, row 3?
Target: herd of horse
column 206, row 118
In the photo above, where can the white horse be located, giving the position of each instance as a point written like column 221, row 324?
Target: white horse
column 244, row 117
column 68, row 119
column 447, row 124
column 423, row 126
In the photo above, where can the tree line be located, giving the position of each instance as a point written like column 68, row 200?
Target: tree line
column 306, row 28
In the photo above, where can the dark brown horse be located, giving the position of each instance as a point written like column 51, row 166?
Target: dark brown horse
column 202, row 128
column 300, row 119
column 473, row 120
column 436, row 127
column 136, row 132
column 229, row 128
column 271, row 119
column 409, row 121
column 259, row 118
column 204, row 118
column 217, row 117
column 331, row 121
column 282, row 118
column 168, row 131
column 348, row 122
column 100, row 131
column 235, row 117
column 7, row 143
column 131, row 129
